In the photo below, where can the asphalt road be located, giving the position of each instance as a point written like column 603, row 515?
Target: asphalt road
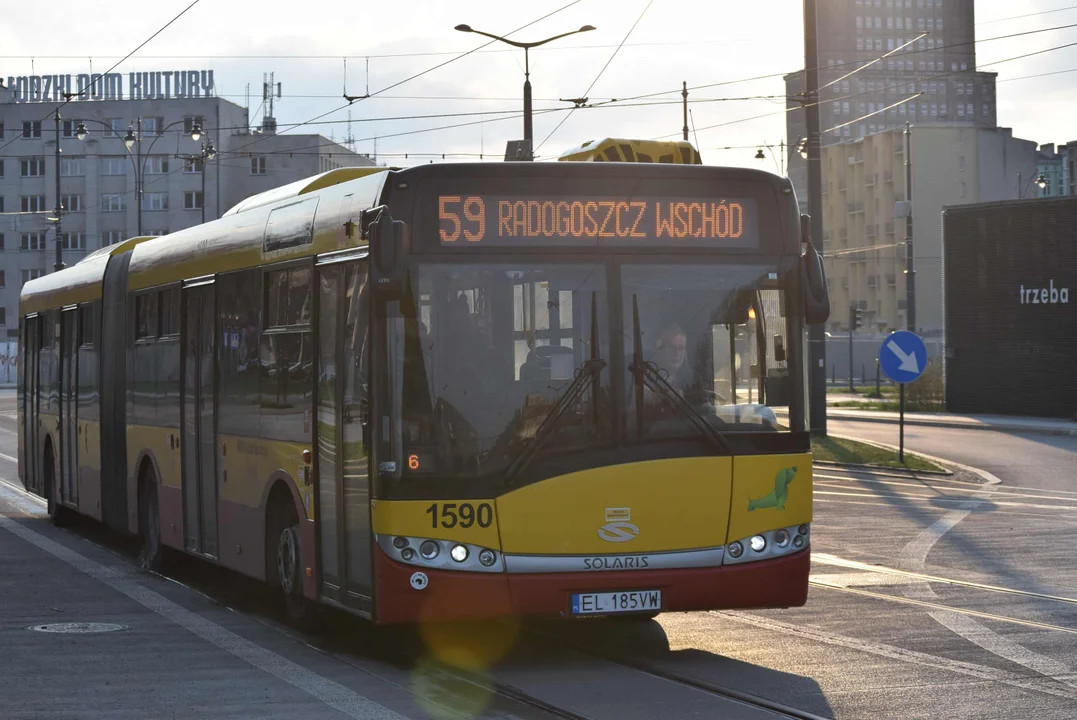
column 932, row 597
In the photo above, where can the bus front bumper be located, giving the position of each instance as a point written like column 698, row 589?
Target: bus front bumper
column 451, row 595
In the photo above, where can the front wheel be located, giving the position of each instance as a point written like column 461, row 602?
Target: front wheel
column 300, row 610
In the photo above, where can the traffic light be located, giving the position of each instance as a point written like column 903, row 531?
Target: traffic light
column 856, row 318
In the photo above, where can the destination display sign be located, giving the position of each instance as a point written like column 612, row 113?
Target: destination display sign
column 586, row 221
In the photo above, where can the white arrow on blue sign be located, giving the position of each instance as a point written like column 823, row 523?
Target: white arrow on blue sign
column 903, row 356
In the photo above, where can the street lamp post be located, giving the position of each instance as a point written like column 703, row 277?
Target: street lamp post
column 527, row 68
column 207, row 153
column 1041, row 183
column 59, row 265
column 133, row 138
column 801, row 146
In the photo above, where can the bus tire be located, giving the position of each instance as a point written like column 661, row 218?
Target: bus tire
column 284, row 546
column 59, row 514
column 153, row 554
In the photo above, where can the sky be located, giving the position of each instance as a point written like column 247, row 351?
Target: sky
column 704, row 42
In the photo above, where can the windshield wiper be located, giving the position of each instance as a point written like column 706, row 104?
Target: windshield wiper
column 647, row 374
column 585, row 379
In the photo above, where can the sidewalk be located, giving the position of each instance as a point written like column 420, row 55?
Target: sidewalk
column 1049, row 426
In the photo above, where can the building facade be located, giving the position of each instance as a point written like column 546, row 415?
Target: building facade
column 100, row 177
column 941, row 66
column 864, row 186
column 1011, row 311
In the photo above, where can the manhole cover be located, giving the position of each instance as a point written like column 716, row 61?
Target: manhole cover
column 81, row 628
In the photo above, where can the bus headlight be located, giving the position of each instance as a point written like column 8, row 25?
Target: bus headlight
column 429, row 549
column 798, row 541
column 407, row 554
column 735, row 550
column 400, row 542
column 487, row 557
column 803, row 530
column 781, row 538
column 458, row 553
column 758, row 543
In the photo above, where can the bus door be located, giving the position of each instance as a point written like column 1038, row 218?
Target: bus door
column 343, row 474
column 198, row 433
column 31, row 341
column 69, row 325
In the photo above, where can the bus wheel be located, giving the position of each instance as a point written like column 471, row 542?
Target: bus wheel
column 152, row 556
column 59, row 514
column 302, row 613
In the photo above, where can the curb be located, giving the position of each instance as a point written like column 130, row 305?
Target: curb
column 999, row 427
column 989, row 479
column 863, row 466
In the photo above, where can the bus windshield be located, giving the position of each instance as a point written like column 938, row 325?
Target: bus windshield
column 481, row 354
column 713, row 335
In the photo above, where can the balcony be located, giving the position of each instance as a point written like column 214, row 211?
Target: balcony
column 890, row 228
column 888, row 176
column 891, row 281
column 869, row 180
column 845, row 283
column 841, row 185
column 843, row 234
column 872, row 281
column 854, row 207
column 869, row 232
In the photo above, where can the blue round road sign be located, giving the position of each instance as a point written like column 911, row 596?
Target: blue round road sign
column 903, row 356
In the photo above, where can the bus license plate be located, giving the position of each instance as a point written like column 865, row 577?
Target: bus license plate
column 616, row 602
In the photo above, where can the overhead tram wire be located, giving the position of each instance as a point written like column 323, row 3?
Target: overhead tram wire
column 597, row 77
column 428, row 70
column 1027, row 15
column 118, row 63
column 896, row 85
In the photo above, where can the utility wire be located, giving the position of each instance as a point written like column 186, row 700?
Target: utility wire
column 428, row 70
column 588, row 90
column 118, row 63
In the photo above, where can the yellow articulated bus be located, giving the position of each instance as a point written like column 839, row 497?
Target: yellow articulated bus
column 450, row 391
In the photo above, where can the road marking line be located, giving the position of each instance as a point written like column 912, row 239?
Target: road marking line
column 8, row 457
column 960, row 667
column 328, row 691
column 914, row 555
column 828, row 559
column 1003, row 490
column 944, row 499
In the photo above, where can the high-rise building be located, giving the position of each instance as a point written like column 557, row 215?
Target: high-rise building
column 863, row 186
column 940, row 66
column 100, row 176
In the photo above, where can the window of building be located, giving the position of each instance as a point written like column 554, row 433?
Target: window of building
column 71, row 166
column 32, row 241
column 3, row 245
column 970, row 110
column 986, row 109
column 28, row 275
column 32, row 167
column 942, row 108
column 1, row 278
column 900, row 23
column 73, row 241
column 111, row 237
column 258, row 164
column 931, row 23
column 923, row 66
column 889, row 43
column 953, row 67
column 878, row 23
column 154, row 233
column 860, row 43
column 156, row 165
column 72, row 203
column 153, row 126
column 115, row 127
column 68, row 127
column 114, row 165
column 845, row 108
column 934, row 110
column 1, row 164
column 31, row 128
column 32, row 203
column 1, row 131
column 155, row 201
column 960, row 110
column 192, row 200
column 113, row 202
column 890, row 23
column 968, row 89
column 191, row 120
column 938, row 24
column 193, row 166
column 859, row 22
column 846, row 131
column 961, row 189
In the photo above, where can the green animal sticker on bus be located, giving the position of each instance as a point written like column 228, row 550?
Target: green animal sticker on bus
column 777, row 497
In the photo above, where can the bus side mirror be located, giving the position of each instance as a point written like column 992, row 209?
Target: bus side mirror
column 814, row 294
column 388, row 245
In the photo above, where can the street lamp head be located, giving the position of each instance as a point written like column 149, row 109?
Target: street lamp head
column 129, row 138
column 586, row 28
column 759, row 155
column 463, row 28
column 196, row 132
column 211, row 152
column 802, row 148
column 1041, row 181
column 80, row 131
